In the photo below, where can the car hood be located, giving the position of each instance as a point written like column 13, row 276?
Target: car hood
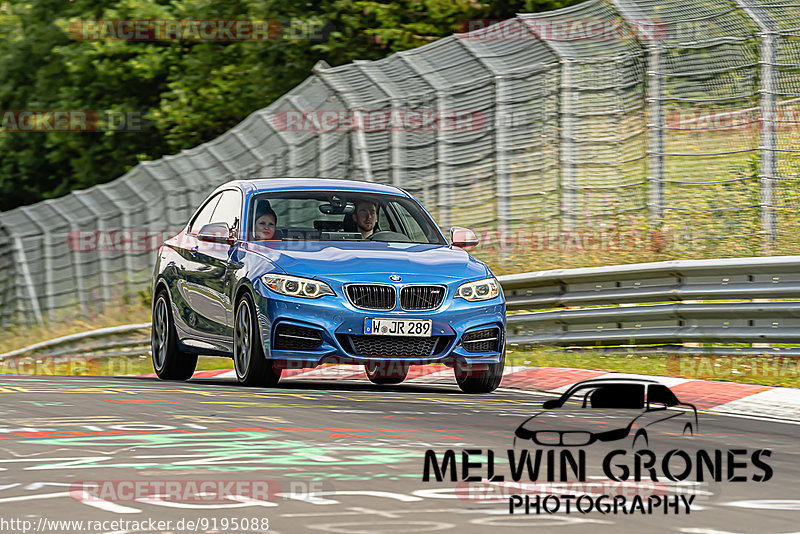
column 590, row 420
column 333, row 259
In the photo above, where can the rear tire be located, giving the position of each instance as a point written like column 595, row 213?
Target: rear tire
column 482, row 381
column 169, row 362
column 252, row 367
column 386, row 372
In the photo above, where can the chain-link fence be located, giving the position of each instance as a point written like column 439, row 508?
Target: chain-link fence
column 619, row 114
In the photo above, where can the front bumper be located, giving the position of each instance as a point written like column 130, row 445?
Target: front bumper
column 335, row 318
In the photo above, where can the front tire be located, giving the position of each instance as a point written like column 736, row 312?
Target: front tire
column 385, row 373
column 252, row 367
column 480, row 381
column 169, row 362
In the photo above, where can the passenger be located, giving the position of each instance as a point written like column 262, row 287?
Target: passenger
column 365, row 216
column 264, row 226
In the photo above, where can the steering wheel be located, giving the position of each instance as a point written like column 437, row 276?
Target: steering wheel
column 389, row 236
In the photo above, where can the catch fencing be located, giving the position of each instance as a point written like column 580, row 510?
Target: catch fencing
column 678, row 116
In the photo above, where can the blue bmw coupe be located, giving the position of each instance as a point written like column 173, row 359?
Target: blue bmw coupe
column 293, row 273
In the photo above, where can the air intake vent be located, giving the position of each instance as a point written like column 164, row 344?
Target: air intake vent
column 421, row 297
column 482, row 340
column 291, row 337
column 394, row 346
column 371, row 296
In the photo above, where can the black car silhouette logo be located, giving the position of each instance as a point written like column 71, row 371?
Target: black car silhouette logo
column 609, row 409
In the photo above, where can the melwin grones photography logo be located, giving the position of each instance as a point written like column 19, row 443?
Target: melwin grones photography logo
column 631, row 431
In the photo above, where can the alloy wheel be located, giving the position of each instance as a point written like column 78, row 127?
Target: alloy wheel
column 242, row 335
column 160, row 328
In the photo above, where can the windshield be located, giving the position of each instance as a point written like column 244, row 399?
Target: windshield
column 339, row 216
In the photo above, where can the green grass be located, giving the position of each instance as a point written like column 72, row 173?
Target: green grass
column 21, row 335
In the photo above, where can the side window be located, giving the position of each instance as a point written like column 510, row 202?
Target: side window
column 413, row 228
column 204, row 215
column 385, row 220
column 229, row 209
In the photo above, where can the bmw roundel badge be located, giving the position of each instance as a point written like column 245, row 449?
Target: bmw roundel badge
column 395, row 278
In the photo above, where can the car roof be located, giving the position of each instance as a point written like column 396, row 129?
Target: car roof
column 257, row 185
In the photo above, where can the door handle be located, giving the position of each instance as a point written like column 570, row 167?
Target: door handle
column 193, row 251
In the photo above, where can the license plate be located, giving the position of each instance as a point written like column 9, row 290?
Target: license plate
column 397, row 327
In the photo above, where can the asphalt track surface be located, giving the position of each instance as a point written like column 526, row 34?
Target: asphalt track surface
column 338, row 456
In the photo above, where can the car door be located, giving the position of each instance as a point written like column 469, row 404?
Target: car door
column 214, row 274
column 186, row 302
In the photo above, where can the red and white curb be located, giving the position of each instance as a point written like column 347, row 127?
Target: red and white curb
column 707, row 395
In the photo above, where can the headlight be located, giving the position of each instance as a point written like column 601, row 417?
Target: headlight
column 485, row 289
column 294, row 286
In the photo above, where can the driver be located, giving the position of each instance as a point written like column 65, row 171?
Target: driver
column 365, row 216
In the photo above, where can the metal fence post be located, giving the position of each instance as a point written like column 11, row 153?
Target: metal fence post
column 502, row 167
column 444, row 203
column 26, row 275
column 568, row 183
column 80, row 280
column 47, row 248
column 655, row 97
column 361, row 147
column 768, row 145
column 767, row 171
column 102, row 257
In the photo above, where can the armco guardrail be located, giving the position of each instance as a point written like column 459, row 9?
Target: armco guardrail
column 125, row 340
column 637, row 305
column 657, row 304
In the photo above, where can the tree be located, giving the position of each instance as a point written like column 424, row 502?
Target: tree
column 189, row 91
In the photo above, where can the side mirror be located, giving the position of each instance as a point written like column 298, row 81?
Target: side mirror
column 551, row 404
column 462, row 237
column 218, row 232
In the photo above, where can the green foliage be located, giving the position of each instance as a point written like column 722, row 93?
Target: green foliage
column 189, row 91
